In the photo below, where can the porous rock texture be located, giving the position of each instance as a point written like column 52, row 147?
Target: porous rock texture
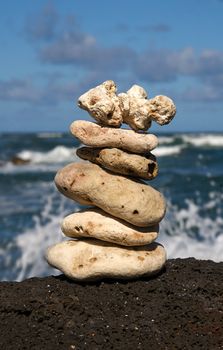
column 91, row 259
column 180, row 309
column 95, row 223
column 121, row 162
column 95, row 135
column 137, row 91
column 125, row 198
column 138, row 112
column 132, row 107
column 161, row 109
column 102, row 103
column 136, row 116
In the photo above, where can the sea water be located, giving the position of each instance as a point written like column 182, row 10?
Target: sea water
column 31, row 209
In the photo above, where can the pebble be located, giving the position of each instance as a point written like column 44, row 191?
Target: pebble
column 95, row 135
column 121, row 162
column 90, row 260
column 95, row 223
column 125, row 198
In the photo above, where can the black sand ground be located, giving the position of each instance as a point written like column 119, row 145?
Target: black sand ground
column 182, row 308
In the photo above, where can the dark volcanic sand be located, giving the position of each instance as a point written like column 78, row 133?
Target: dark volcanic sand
column 182, row 308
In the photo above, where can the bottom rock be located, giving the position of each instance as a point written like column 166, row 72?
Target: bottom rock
column 93, row 259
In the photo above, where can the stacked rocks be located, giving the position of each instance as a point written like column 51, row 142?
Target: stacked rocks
column 115, row 236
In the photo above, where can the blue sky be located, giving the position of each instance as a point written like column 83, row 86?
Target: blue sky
column 53, row 51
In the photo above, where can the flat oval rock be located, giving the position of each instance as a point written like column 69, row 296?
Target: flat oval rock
column 121, row 162
column 95, row 135
column 95, row 223
column 88, row 260
column 120, row 196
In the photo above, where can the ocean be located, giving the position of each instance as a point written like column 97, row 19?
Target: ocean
column 31, row 209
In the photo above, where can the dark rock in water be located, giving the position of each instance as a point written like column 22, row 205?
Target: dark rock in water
column 179, row 309
column 19, row 161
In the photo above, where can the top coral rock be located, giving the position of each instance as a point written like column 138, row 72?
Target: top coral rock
column 102, row 104
column 132, row 108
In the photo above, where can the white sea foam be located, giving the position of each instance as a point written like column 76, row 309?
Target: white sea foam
column 165, row 139
column 210, row 140
column 41, row 161
column 185, row 247
column 59, row 154
column 177, row 232
column 33, row 243
column 162, row 151
column 10, row 168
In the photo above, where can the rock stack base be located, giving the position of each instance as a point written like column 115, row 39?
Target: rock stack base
column 179, row 309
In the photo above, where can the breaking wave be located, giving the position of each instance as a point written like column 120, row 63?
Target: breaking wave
column 187, row 233
column 24, row 256
column 166, row 139
column 59, row 154
column 41, row 161
column 162, row 151
column 211, row 140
